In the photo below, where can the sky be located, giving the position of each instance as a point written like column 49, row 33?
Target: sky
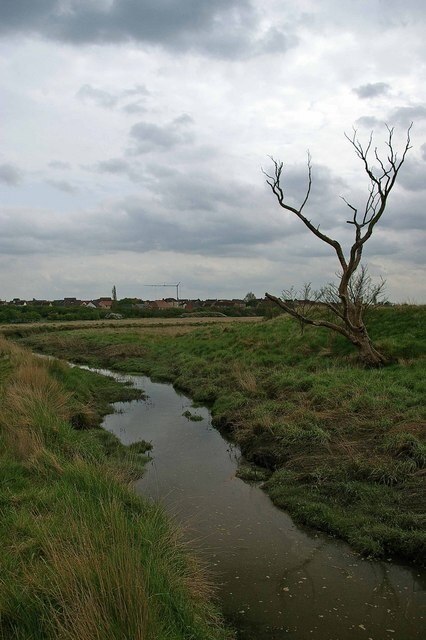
column 133, row 134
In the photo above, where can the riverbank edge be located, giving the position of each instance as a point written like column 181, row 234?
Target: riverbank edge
column 83, row 557
column 372, row 497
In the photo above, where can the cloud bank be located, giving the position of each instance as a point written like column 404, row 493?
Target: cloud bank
column 135, row 132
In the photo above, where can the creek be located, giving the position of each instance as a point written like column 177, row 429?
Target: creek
column 275, row 580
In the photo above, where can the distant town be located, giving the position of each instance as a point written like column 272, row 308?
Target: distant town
column 111, row 308
column 18, row 310
column 164, row 303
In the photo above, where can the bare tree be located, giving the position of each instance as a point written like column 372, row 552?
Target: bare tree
column 348, row 299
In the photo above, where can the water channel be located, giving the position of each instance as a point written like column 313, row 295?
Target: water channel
column 274, row 579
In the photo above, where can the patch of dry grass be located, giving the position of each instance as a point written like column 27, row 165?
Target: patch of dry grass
column 95, row 577
column 245, row 377
column 33, row 402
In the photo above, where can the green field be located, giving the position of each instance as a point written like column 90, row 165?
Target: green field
column 83, row 558
column 340, row 447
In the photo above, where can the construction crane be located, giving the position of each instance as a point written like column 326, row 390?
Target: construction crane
column 177, row 285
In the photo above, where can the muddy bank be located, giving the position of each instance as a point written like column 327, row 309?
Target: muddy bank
column 275, row 580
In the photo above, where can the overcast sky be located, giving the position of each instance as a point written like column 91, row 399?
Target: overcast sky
column 133, row 133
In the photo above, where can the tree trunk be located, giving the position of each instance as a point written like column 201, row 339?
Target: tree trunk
column 368, row 355
column 358, row 334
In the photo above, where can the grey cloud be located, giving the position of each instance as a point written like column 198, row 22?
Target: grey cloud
column 138, row 106
column 369, row 122
column 423, row 148
column 216, row 216
column 29, row 230
column 118, row 166
column 63, row 185
column 138, row 90
column 134, row 108
column 199, row 192
column 109, row 100
column 413, row 175
column 405, row 212
column 18, row 15
column 402, row 116
column 183, row 120
column 324, row 204
column 187, row 214
column 393, row 244
column 162, row 171
column 276, row 41
column 133, row 224
column 233, row 35
column 10, row 175
column 325, row 184
column 371, row 90
column 416, row 254
column 137, row 224
column 219, row 27
column 381, row 245
column 114, row 165
column 147, row 20
column 58, row 164
column 405, row 115
column 203, row 214
column 98, row 96
column 380, row 16
column 147, row 136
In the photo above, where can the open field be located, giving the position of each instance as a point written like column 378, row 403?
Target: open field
column 23, row 329
column 82, row 556
column 342, row 448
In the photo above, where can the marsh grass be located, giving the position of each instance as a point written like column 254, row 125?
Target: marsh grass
column 82, row 557
column 345, row 445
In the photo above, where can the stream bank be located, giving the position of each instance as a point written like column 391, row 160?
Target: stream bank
column 83, row 557
column 274, row 579
column 347, row 446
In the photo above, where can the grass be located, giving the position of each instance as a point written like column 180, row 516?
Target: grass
column 345, row 446
column 83, row 558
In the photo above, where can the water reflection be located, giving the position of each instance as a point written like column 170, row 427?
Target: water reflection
column 275, row 580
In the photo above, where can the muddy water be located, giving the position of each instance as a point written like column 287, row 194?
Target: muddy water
column 275, row 580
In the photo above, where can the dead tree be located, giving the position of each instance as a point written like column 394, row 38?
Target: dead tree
column 349, row 298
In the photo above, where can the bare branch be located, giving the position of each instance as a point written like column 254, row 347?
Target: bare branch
column 275, row 183
column 309, row 183
column 317, row 323
column 378, row 193
column 355, row 291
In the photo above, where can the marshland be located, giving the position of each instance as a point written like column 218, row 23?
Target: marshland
column 339, row 448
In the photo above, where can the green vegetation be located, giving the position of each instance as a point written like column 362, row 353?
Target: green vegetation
column 33, row 312
column 345, row 445
column 253, row 473
column 16, row 314
column 83, row 558
column 194, row 417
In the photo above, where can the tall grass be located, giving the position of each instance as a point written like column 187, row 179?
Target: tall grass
column 82, row 557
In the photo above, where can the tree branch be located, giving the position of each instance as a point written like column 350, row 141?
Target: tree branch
column 317, row 323
column 275, row 183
